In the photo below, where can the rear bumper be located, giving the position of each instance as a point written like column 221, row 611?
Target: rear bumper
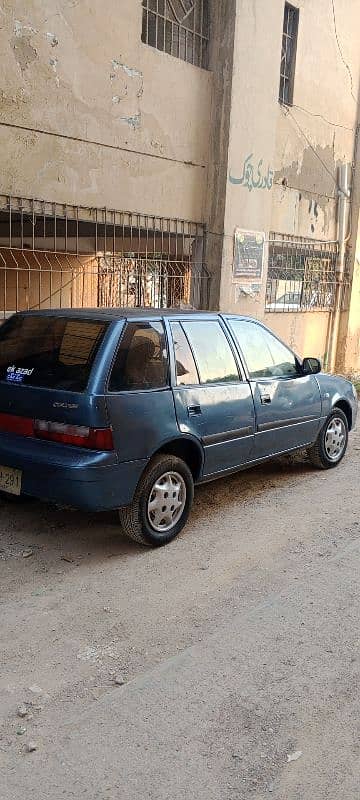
column 70, row 476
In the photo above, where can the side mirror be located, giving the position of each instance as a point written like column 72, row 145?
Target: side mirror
column 311, row 366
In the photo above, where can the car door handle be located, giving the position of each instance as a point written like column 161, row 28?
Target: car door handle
column 193, row 411
column 265, row 398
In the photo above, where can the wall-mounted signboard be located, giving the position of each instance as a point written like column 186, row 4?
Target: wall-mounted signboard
column 248, row 254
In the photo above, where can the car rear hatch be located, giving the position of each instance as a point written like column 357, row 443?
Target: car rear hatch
column 45, row 366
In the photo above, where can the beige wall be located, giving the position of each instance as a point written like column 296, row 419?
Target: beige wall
column 81, row 70
column 307, row 333
column 303, row 145
column 348, row 355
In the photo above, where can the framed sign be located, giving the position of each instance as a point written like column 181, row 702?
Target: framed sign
column 249, row 249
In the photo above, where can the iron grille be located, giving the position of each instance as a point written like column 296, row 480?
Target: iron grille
column 288, row 54
column 178, row 27
column 54, row 255
column 301, row 274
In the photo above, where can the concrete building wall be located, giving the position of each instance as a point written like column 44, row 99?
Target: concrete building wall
column 90, row 115
column 123, row 125
column 303, row 145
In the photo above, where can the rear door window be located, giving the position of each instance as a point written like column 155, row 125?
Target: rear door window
column 212, row 351
column 141, row 361
column 50, row 352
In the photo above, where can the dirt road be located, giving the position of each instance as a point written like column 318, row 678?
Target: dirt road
column 238, row 645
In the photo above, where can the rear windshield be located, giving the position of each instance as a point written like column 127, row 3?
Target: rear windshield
column 50, row 352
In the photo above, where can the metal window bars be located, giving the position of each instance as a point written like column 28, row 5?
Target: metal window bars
column 302, row 275
column 57, row 256
column 288, row 54
column 178, row 27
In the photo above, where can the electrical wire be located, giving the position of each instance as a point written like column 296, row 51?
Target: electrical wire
column 332, row 124
column 304, row 190
column 70, row 138
column 346, row 65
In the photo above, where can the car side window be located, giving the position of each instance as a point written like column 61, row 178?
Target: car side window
column 141, row 361
column 186, row 372
column 265, row 356
column 212, row 351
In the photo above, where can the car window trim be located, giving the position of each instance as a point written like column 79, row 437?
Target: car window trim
column 238, row 361
column 176, row 384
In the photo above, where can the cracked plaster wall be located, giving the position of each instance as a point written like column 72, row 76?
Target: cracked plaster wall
column 68, row 67
column 302, row 146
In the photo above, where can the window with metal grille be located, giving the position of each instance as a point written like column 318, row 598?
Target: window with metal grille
column 301, row 274
column 288, row 54
column 178, row 27
column 55, row 255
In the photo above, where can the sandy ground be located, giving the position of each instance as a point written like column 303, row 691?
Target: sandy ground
column 238, row 644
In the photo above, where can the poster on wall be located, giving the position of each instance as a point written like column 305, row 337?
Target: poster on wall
column 248, row 254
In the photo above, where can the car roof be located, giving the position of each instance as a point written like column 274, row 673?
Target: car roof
column 125, row 313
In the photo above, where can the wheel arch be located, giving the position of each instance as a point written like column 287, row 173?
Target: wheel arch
column 186, row 448
column 345, row 407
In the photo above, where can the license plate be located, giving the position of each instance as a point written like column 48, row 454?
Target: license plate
column 10, row 480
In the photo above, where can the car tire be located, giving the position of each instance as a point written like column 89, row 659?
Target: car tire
column 161, row 503
column 331, row 444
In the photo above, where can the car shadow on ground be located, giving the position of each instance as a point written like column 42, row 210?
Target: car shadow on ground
column 248, row 485
column 75, row 536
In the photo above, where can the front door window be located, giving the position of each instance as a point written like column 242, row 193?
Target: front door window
column 265, row 355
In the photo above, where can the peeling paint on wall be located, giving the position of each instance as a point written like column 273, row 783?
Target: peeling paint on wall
column 21, row 30
column 316, row 168
column 130, row 72
column 53, row 63
column 54, row 41
column 130, row 86
column 134, row 121
column 311, row 180
column 25, row 52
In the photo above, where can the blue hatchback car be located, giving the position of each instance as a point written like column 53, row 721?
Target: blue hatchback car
column 128, row 409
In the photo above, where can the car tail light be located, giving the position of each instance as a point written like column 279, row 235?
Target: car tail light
column 78, row 435
column 13, row 424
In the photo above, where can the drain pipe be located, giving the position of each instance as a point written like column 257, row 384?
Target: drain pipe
column 343, row 198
